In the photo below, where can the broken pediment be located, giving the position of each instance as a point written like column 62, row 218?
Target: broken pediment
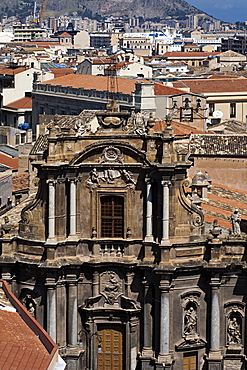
column 110, row 152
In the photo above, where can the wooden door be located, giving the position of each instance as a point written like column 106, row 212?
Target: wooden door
column 190, row 361
column 110, row 340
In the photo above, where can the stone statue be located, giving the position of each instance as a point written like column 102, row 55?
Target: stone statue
column 93, row 179
column 233, row 331
column 31, row 309
column 236, row 220
column 111, row 291
column 190, row 321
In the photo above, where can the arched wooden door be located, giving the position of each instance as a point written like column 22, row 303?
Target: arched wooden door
column 111, row 347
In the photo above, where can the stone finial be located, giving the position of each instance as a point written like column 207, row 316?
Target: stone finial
column 216, row 230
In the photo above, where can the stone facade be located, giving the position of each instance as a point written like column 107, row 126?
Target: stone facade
column 111, row 255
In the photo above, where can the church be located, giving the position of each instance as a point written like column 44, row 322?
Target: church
column 111, row 255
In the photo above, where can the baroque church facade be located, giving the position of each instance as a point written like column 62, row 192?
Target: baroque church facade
column 111, row 255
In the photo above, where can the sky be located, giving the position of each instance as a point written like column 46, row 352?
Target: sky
column 225, row 10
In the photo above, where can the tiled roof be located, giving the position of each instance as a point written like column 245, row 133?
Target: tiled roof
column 178, row 127
column 124, row 85
column 8, row 161
column 102, row 61
column 58, row 72
column 221, row 77
column 23, row 342
column 42, row 43
column 187, row 55
column 209, row 85
column 12, row 71
column 20, row 182
column 222, row 201
column 160, row 89
column 64, row 34
column 23, row 103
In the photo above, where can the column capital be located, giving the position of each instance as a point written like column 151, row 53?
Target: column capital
column 165, row 286
column 51, row 181
column 71, row 279
column 50, row 283
column 148, row 180
column 166, row 183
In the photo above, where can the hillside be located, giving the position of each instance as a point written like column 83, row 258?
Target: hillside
column 148, row 9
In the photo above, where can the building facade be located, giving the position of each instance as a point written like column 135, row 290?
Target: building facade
column 112, row 254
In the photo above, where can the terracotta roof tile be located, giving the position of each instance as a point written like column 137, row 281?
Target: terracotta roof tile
column 208, row 85
column 8, row 161
column 179, row 128
column 188, row 54
column 58, row 72
column 20, row 182
column 125, row 85
column 12, row 71
column 64, row 34
column 23, row 103
column 160, row 89
column 23, row 343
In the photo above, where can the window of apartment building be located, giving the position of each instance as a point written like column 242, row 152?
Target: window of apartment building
column 211, row 109
column 232, row 110
column 112, row 216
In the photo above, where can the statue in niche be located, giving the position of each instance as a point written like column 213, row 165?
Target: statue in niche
column 233, row 332
column 236, row 220
column 29, row 303
column 190, row 321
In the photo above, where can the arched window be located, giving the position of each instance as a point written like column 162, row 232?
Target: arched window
column 112, row 216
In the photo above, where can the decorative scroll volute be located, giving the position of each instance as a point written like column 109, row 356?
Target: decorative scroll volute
column 197, row 217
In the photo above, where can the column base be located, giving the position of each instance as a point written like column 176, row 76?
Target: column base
column 147, row 353
column 72, row 237
column 165, row 359
column 149, row 238
column 51, row 241
column 165, row 242
column 214, row 360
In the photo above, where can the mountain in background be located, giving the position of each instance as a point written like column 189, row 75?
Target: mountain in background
column 147, row 9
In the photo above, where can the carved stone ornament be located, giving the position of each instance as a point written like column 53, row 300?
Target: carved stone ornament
column 111, row 154
column 109, row 176
column 197, row 217
column 190, row 304
column 111, row 287
column 30, row 304
column 235, row 313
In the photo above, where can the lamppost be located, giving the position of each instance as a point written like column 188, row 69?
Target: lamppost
column 89, row 337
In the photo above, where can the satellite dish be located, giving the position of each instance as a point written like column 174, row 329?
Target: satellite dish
column 217, row 114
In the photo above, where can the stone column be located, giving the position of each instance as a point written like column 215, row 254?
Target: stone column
column 147, row 351
column 95, row 284
column 164, row 356
column 72, row 310
column 165, row 213
column 51, row 209
column 214, row 358
column 61, row 312
column 72, row 207
column 215, row 314
column 51, row 308
column 149, row 212
column 133, row 342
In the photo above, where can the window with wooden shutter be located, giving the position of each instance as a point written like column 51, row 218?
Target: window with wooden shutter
column 112, row 216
